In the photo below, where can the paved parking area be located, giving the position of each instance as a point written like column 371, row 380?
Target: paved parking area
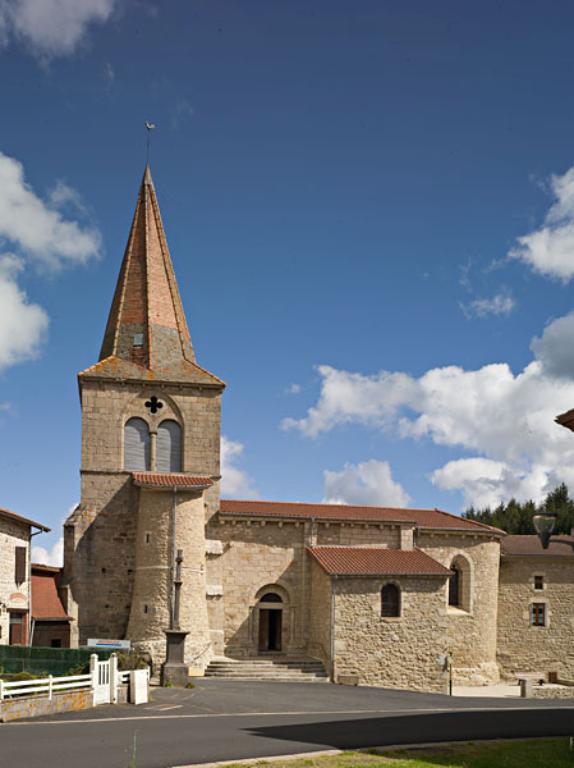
column 221, row 720
column 225, row 697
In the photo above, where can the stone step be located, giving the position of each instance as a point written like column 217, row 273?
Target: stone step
column 271, row 669
column 268, row 664
column 310, row 679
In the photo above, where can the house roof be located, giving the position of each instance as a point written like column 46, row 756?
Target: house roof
column 170, row 480
column 561, row 546
column 376, row 561
column 46, row 603
column 24, row 520
column 421, row 518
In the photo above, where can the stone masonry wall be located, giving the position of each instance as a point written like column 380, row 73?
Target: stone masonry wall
column 471, row 631
column 100, row 536
column 12, row 535
column 320, row 616
column 392, row 652
column 521, row 647
column 255, row 556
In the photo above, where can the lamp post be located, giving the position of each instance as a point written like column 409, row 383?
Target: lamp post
column 544, row 524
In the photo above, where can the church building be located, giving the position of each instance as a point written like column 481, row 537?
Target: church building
column 375, row 594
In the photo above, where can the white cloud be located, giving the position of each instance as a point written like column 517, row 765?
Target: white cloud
column 550, row 249
column 370, row 482
column 484, row 482
column 23, row 325
column 234, row 480
column 53, row 556
column 39, row 228
column 37, row 233
column 501, row 303
column 52, row 27
column 554, row 347
column 293, row 389
column 504, row 421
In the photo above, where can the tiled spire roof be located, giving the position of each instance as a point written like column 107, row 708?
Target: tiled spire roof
column 147, row 330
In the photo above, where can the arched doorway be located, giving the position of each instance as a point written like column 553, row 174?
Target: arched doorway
column 270, row 609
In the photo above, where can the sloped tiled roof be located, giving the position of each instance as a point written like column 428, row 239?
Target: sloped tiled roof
column 421, row 518
column 182, row 371
column 376, row 561
column 562, row 546
column 24, row 520
column 46, row 603
column 170, row 480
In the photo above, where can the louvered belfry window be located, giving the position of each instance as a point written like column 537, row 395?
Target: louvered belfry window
column 136, row 445
column 169, row 446
column 20, row 568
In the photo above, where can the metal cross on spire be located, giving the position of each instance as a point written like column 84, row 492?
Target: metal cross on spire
column 149, row 128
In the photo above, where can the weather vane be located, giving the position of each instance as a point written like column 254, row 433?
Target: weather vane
column 149, row 128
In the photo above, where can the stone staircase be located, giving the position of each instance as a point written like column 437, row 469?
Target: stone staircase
column 282, row 669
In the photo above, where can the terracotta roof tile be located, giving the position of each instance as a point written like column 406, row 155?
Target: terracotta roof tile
column 46, row 603
column 170, row 480
column 562, row 546
column 421, row 518
column 24, row 520
column 376, row 561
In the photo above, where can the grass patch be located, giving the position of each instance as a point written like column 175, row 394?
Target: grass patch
column 535, row 753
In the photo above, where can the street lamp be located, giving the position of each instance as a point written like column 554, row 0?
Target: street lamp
column 544, row 524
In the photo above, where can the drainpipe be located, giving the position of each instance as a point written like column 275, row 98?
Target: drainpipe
column 332, row 638
column 31, row 622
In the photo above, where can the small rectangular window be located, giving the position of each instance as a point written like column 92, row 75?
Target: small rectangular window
column 538, row 615
column 539, row 582
column 138, row 340
column 20, row 569
column 147, row 538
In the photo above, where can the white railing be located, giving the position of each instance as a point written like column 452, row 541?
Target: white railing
column 49, row 685
column 104, row 680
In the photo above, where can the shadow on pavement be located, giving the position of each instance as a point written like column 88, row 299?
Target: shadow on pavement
column 425, row 728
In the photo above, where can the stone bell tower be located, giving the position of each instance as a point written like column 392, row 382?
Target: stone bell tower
column 150, row 460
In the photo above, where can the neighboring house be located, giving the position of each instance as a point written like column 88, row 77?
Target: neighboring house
column 378, row 593
column 536, row 606
column 16, row 533
column 50, row 622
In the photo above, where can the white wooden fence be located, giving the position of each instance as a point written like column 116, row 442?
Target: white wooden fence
column 103, row 680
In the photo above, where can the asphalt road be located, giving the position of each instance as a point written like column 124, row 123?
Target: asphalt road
column 219, row 720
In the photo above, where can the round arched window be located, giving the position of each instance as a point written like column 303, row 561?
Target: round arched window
column 136, row 445
column 271, row 597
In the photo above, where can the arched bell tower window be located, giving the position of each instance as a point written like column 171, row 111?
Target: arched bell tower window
column 137, row 454
column 168, row 446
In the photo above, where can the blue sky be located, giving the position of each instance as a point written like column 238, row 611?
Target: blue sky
column 370, row 209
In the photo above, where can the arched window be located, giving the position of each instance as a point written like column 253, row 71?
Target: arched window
column 271, row 597
column 136, row 445
column 454, row 586
column 169, row 447
column 390, row 601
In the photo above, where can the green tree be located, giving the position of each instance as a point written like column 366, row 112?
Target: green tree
column 516, row 516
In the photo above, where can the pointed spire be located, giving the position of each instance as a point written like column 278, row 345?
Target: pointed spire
column 147, row 324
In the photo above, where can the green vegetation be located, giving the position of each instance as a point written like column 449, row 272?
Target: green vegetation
column 47, row 661
column 516, row 517
column 534, row 753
